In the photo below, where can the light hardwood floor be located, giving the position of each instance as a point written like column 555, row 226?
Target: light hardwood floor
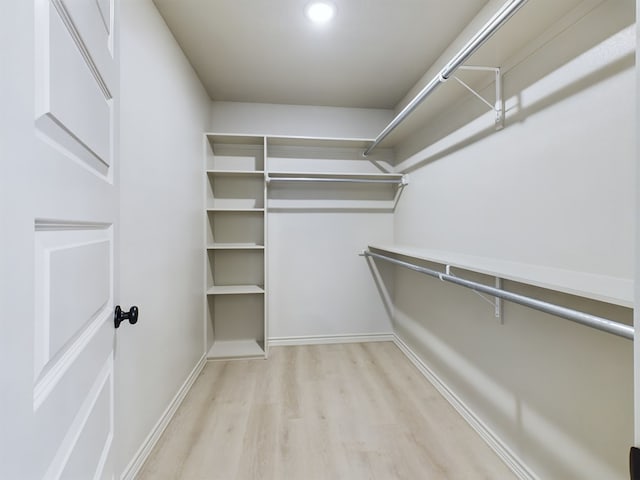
column 354, row 411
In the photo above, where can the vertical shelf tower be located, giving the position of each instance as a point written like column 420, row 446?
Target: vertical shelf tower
column 237, row 172
column 235, row 225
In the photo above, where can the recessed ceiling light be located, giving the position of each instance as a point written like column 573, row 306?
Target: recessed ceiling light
column 320, row 12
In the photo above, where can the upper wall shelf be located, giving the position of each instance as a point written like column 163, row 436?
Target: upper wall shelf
column 315, row 142
column 617, row 291
column 286, row 141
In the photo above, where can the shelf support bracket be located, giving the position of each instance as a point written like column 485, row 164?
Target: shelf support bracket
column 498, row 106
column 496, row 303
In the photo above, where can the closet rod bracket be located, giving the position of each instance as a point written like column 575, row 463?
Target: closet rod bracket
column 498, row 106
column 496, row 303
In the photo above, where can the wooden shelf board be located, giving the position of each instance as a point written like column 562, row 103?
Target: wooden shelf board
column 228, row 349
column 614, row 290
column 234, row 205
column 230, row 139
column 235, row 290
column 234, row 246
column 236, row 173
column 239, row 210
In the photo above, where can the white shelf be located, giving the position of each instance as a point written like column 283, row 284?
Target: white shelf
column 234, row 246
column 337, row 175
column 236, row 173
column 618, row 291
column 314, row 142
column 228, row 349
column 287, row 140
column 234, row 139
column 235, row 290
column 238, row 210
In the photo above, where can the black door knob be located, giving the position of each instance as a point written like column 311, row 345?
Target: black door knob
column 120, row 316
column 634, row 463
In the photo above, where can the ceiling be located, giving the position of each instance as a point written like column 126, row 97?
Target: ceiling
column 265, row 51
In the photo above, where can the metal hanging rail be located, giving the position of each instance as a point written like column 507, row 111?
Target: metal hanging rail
column 599, row 323
column 393, row 181
column 499, row 19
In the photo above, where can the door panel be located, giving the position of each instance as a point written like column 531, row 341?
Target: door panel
column 83, row 451
column 62, row 186
column 60, row 401
column 68, row 262
column 106, row 12
column 92, row 23
column 71, row 270
column 74, row 81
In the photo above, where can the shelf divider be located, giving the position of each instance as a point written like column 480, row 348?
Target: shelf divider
column 234, row 246
column 235, row 290
column 235, row 173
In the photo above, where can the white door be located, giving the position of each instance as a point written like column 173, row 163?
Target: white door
column 59, row 210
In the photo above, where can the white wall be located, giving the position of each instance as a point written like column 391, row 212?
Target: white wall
column 318, row 285
column 164, row 112
column 555, row 187
column 297, row 120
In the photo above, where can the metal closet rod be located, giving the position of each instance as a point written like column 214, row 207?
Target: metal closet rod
column 599, row 323
column 499, row 19
column 398, row 181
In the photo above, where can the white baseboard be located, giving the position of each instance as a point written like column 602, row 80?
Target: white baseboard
column 497, row 445
column 329, row 339
column 143, row 452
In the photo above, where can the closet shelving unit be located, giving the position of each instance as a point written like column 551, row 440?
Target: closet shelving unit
column 235, row 197
column 516, row 31
column 237, row 207
column 236, row 211
column 609, row 289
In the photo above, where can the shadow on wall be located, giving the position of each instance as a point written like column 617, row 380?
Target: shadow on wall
column 384, row 277
column 549, row 388
column 517, row 113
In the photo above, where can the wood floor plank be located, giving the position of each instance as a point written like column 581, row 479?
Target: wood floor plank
column 353, row 411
